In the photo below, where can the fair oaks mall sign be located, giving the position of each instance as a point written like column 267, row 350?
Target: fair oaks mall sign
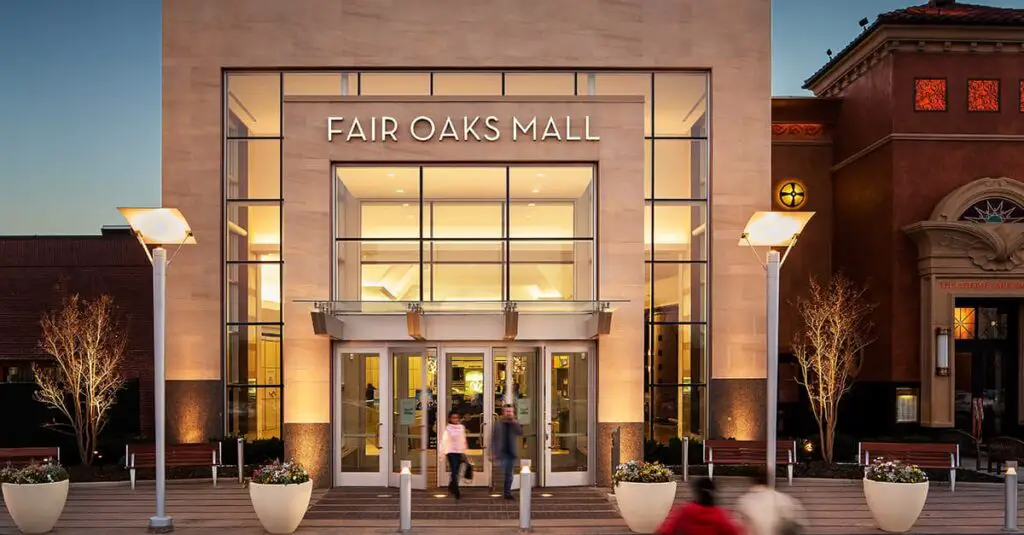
column 384, row 129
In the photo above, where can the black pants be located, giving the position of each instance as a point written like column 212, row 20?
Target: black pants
column 454, row 466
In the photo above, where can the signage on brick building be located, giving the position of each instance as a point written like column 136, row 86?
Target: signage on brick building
column 982, row 285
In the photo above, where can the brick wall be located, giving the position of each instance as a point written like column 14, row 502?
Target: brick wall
column 36, row 272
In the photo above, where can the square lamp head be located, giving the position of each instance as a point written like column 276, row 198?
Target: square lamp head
column 159, row 226
column 774, row 229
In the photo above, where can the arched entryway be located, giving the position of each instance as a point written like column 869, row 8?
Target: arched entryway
column 971, row 264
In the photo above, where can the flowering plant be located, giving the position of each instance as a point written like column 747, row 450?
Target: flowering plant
column 34, row 474
column 894, row 472
column 278, row 473
column 641, row 472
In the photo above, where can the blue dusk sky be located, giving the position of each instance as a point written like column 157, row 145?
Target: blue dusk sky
column 80, row 107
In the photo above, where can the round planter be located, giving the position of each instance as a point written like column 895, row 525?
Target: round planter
column 35, row 508
column 644, row 506
column 895, row 506
column 280, row 508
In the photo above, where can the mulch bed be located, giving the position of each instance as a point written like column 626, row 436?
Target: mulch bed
column 822, row 470
column 112, row 472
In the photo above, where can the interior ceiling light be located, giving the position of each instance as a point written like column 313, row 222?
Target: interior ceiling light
column 540, row 174
column 531, row 205
column 399, row 191
column 536, row 190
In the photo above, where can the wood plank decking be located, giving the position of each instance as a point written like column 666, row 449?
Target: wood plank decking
column 833, row 506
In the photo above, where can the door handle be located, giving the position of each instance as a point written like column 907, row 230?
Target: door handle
column 483, row 435
column 377, row 442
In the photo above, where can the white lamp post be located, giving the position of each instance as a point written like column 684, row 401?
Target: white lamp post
column 158, row 227
column 773, row 229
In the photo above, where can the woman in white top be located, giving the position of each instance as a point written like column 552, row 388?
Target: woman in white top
column 453, row 444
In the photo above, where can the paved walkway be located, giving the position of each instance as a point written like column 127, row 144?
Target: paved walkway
column 834, row 507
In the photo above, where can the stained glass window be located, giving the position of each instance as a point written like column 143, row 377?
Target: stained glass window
column 992, row 325
column 1021, row 96
column 994, row 210
column 963, row 323
column 930, row 94
column 983, row 95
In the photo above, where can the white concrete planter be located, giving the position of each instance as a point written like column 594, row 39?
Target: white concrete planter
column 35, row 508
column 895, row 506
column 644, row 506
column 280, row 508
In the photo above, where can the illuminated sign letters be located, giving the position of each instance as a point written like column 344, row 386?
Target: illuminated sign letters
column 386, row 129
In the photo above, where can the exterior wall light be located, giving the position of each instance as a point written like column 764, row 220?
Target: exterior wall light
column 942, row 351
column 906, row 405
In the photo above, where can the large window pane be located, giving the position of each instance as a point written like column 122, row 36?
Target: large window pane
column 394, row 84
column 675, row 412
column 253, row 169
column 390, row 282
column 623, row 84
column 254, row 292
column 466, row 282
column 551, row 270
column 677, row 351
column 476, row 84
column 680, row 169
column 679, row 231
column 378, row 202
column 680, row 104
column 539, row 84
column 466, row 219
column 549, row 197
column 378, row 271
column 254, row 231
column 470, row 183
column 254, row 412
column 319, row 84
column 254, row 105
column 679, row 291
column 254, row 354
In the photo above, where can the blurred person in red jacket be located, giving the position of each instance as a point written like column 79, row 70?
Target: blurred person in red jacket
column 701, row 516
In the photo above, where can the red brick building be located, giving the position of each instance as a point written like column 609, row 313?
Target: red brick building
column 911, row 154
column 36, row 272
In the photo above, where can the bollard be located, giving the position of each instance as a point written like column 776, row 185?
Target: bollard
column 525, row 495
column 615, row 449
column 405, row 497
column 686, row 458
column 1010, row 509
column 241, row 461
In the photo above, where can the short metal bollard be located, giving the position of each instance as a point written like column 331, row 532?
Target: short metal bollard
column 1010, row 508
column 241, row 460
column 686, row 458
column 525, row 495
column 405, row 497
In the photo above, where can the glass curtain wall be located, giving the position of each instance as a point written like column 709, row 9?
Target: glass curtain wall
column 252, row 253
column 466, row 233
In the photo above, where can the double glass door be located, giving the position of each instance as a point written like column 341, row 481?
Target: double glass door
column 393, row 404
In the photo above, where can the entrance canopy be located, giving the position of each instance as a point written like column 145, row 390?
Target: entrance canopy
column 461, row 320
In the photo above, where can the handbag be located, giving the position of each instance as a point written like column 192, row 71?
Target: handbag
column 467, row 471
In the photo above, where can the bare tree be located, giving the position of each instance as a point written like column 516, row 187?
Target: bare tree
column 836, row 328
column 88, row 345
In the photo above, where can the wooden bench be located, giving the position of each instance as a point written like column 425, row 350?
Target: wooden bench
column 189, row 455
column 924, row 455
column 1003, row 449
column 748, row 453
column 27, row 456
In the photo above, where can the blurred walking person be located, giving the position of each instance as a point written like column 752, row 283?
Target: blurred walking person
column 505, row 446
column 453, row 444
column 766, row 511
column 702, row 516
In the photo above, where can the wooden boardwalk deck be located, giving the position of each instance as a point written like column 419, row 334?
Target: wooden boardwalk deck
column 833, row 507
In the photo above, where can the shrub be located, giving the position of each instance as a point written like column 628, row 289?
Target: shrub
column 894, row 472
column 34, row 474
column 641, row 472
column 278, row 473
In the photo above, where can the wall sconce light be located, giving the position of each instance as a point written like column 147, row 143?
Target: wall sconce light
column 942, row 351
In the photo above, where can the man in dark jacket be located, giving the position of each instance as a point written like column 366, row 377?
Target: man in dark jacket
column 505, row 445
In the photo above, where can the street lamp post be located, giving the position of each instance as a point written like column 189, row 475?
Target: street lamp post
column 158, row 227
column 773, row 229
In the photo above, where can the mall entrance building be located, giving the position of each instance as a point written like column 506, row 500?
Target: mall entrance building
column 405, row 209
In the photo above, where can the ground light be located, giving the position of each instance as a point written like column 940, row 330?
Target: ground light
column 771, row 230
column 158, row 227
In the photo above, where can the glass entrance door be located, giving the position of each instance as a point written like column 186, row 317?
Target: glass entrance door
column 516, row 383
column 466, row 388
column 568, row 414
column 412, row 402
column 360, row 456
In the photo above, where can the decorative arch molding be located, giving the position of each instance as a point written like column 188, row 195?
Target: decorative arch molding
column 978, row 227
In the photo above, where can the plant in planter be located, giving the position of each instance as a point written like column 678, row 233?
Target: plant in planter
column 644, row 493
column 35, row 495
column 280, row 495
column 895, row 493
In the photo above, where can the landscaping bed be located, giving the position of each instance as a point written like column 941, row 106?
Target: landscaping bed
column 822, row 470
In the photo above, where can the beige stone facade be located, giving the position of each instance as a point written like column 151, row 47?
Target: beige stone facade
column 204, row 40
